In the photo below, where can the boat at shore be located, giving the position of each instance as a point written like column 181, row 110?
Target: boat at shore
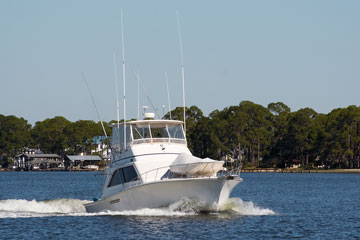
column 151, row 166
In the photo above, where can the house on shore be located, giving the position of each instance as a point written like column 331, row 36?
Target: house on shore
column 25, row 161
column 82, row 161
column 101, row 147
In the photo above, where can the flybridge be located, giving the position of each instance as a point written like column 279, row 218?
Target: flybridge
column 147, row 131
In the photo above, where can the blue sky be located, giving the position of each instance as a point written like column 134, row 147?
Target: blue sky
column 303, row 53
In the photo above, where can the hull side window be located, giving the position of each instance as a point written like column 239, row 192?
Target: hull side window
column 116, row 179
column 130, row 174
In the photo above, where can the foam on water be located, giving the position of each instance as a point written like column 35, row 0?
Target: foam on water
column 240, row 207
column 18, row 208
column 24, row 208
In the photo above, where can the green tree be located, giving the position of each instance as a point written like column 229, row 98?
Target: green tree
column 301, row 136
column 193, row 115
column 245, row 130
column 49, row 135
column 258, row 130
column 280, row 120
column 342, row 148
column 205, row 141
column 14, row 135
column 80, row 135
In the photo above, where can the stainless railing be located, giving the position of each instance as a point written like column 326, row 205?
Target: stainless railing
column 119, row 148
column 158, row 140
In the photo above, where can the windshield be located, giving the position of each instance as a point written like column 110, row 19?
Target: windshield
column 140, row 132
column 157, row 131
column 176, row 131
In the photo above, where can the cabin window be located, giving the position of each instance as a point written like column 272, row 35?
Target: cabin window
column 176, row 131
column 116, row 179
column 159, row 132
column 140, row 132
column 130, row 174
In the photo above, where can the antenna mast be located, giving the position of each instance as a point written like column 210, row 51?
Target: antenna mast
column 123, row 67
column 182, row 70
column 138, row 95
column 167, row 87
column 117, row 93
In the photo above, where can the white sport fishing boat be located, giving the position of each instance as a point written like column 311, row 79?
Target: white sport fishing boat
column 152, row 167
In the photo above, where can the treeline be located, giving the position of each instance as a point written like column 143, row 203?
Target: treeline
column 257, row 136
column 273, row 136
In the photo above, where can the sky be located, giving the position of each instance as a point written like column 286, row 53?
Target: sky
column 302, row 53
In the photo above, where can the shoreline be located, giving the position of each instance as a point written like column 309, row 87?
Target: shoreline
column 51, row 170
column 295, row 170
column 246, row 170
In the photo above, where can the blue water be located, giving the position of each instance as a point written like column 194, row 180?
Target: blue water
column 264, row 206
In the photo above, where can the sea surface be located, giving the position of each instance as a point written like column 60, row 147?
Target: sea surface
column 49, row 205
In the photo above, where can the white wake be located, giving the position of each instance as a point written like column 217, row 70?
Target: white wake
column 24, row 208
column 241, row 207
column 18, row 208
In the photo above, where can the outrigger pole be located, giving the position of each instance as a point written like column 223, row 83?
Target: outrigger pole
column 93, row 100
column 123, row 67
column 182, row 70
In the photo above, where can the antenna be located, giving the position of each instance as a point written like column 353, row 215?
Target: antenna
column 93, row 100
column 140, row 83
column 182, row 69
column 151, row 103
column 117, row 93
column 138, row 95
column 167, row 87
column 123, row 66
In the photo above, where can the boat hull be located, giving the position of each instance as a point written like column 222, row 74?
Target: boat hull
column 210, row 191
